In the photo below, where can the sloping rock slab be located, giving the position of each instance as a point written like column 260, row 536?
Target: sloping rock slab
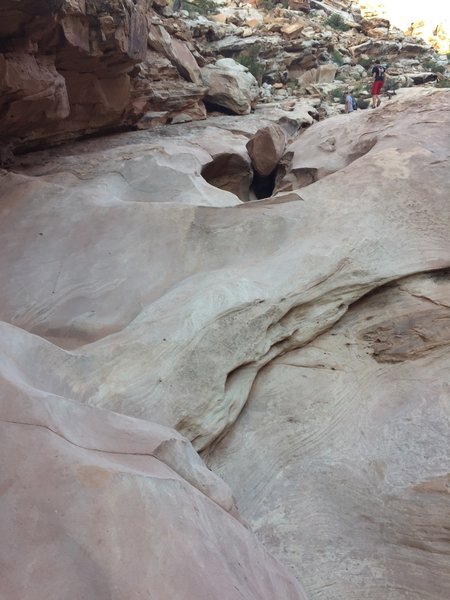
column 352, row 431
column 97, row 505
column 168, row 311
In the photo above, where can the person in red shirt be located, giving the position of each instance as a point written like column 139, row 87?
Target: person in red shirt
column 378, row 82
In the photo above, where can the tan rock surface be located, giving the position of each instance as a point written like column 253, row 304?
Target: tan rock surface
column 118, row 294
column 293, row 29
column 129, row 283
column 341, row 457
column 230, row 86
column 97, row 505
column 266, row 148
column 229, row 290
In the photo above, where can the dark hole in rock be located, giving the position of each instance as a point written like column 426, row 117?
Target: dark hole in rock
column 211, row 107
column 263, row 186
column 230, row 172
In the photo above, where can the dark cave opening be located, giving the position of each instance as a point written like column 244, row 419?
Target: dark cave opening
column 216, row 108
column 231, row 172
column 263, row 185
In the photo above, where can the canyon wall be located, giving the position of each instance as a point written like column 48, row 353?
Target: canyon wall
column 72, row 68
column 65, row 67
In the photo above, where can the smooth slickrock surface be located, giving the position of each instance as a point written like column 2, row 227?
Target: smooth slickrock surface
column 97, row 505
column 341, row 458
column 121, row 289
column 184, row 304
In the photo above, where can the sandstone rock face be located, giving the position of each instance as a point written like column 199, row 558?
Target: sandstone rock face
column 323, row 74
column 424, row 19
column 97, row 505
column 176, row 51
column 160, row 95
column 352, row 431
column 230, row 86
column 120, row 293
column 64, row 69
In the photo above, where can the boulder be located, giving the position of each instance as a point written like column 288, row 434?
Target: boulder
column 375, row 23
column 266, row 148
column 376, row 48
column 303, row 5
column 159, row 88
column 231, row 86
column 176, row 51
column 293, row 30
column 321, row 74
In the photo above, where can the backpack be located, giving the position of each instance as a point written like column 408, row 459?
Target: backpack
column 354, row 103
column 380, row 75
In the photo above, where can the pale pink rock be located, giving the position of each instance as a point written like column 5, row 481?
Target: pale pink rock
column 352, row 430
column 97, row 505
column 121, row 291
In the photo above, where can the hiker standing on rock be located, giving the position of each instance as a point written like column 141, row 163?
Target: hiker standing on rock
column 349, row 101
column 378, row 82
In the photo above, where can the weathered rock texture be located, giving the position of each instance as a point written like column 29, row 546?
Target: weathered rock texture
column 425, row 19
column 168, row 311
column 340, row 459
column 65, row 66
column 69, row 68
column 97, row 505
column 230, row 86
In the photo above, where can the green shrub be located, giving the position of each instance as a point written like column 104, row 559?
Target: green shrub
column 365, row 62
column 390, row 85
column 438, row 68
column 337, row 57
column 338, row 92
column 269, row 4
column 337, row 22
column 250, row 59
column 433, row 66
column 363, row 103
column 202, row 7
column 443, row 83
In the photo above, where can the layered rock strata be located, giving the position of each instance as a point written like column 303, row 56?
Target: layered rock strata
column 70, row 69
column 65, row 68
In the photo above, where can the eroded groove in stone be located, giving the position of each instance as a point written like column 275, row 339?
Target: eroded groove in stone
column 360, row 447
